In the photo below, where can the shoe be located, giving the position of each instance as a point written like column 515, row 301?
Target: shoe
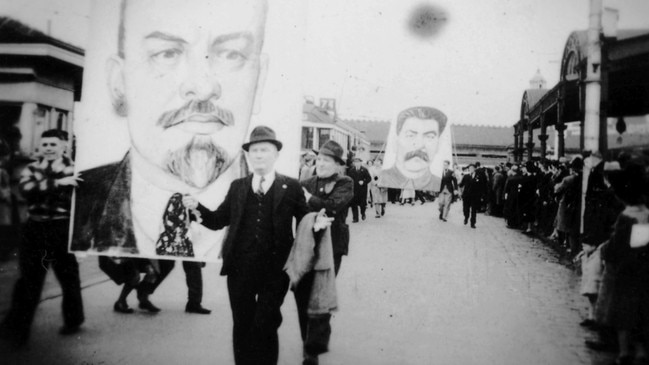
column 598, row 345
column 440, row 217
column 196, row 308
column 466, row 220
column 624, row 360
column 444, row 220
column 310, row 359
column 148, row 306
column 473, row 226
column 69, row 330
column 355, row 221
column 377, row 216
column 122, row 307
column 363, row 217
column 588, row 323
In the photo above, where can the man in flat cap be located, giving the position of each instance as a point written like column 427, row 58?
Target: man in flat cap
column 259, row 210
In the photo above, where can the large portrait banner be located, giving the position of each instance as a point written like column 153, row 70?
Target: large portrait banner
column 418, row 143
column 171, row 91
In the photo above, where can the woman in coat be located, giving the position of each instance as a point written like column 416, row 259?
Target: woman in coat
column 379, row 194
column 568, row 215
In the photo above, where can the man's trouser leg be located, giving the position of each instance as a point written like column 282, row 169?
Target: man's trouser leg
column 255, row 299
column 315, row 331
column 194, row 280
column 27, row 290
column 444, row 203
column 146, row 288
column 475, row 205
column 66, row 269
column 354, row 208
column 466, row 207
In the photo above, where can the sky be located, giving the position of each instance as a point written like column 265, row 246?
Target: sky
column 475, row 67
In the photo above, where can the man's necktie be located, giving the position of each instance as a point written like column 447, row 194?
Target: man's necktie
column 173, row 240
column 260, row 188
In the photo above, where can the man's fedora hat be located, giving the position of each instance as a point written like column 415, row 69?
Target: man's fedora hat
column 262, row 134
column 334, row 150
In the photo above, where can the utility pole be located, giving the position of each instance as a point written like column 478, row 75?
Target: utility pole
column 593, row 92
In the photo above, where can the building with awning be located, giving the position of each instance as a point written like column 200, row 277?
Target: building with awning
column 320, row 123
column 40, row 80
column 624, row 99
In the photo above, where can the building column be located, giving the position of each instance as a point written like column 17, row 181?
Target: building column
column 543, row 137
column 561, row 150
column 521, row 143
column 29, row 131
column 516, row 142
column 530, row 140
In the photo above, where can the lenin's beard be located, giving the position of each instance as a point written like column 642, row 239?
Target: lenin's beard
column 199, row 163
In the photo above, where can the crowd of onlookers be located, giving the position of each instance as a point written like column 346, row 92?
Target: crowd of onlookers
column 611, row 245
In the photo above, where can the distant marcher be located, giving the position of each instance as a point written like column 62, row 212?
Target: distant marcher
column 473, row 185
column 47, row 185
column 407, row 196
column 307, row 168
column 361, row 178
column 379, row 194
column 447, row 191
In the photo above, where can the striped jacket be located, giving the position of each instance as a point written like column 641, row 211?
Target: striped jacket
column 47, row 201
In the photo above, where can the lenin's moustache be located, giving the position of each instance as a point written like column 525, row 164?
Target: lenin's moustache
column 203, row 107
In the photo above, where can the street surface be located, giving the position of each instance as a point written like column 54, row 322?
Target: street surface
column 413, row 290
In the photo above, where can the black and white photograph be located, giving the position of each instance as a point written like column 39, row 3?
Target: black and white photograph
column 342, row 182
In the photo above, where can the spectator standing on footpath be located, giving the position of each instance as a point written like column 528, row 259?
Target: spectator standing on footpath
column 498, row 186
column 47, row 185
column 361, row 178
column 5, row 206
column 628, row 250
column 568, row 215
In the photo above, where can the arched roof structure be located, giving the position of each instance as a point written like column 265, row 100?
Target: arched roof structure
column 624, row 86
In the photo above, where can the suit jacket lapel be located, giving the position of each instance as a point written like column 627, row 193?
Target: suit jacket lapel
column 279, row 188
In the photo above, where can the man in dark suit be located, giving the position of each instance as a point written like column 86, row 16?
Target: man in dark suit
column 259, row 210
column 447, row 190
column 473, row 185
column 333, row 192
column 361, row 178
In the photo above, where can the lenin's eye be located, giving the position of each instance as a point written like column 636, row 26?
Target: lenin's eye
column 167, row 57
column 231, row 57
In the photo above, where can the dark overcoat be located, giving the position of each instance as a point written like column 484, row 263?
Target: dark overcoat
column 334, row 194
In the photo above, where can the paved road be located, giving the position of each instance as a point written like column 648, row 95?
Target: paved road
column 414, row 290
